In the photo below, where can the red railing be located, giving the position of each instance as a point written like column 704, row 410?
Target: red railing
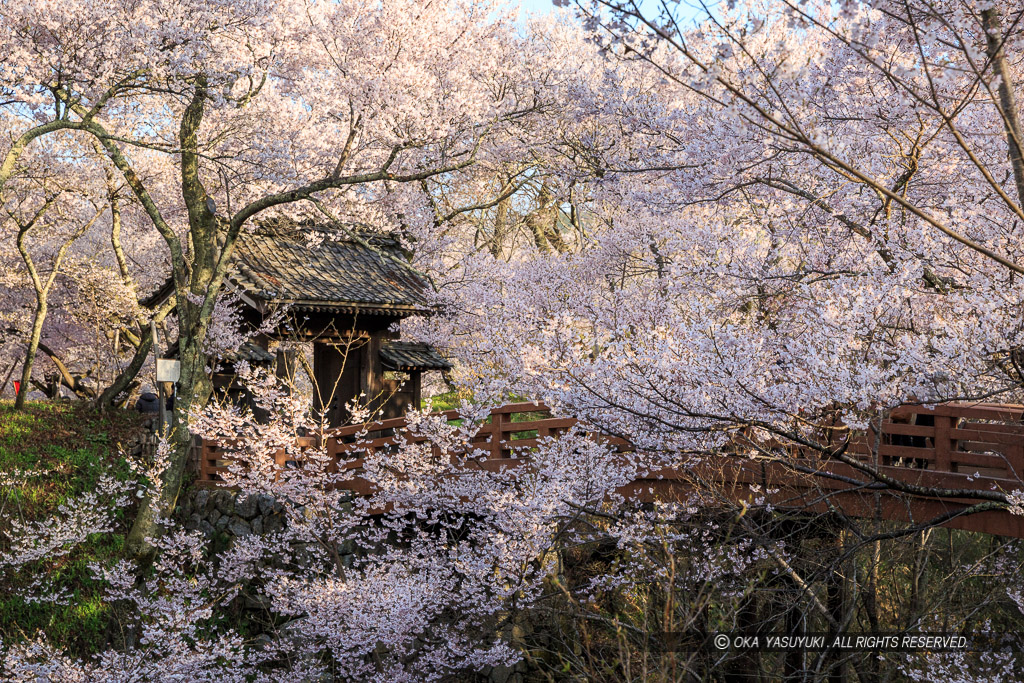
column 987, row 439
column 944, row 447
column 514, row 427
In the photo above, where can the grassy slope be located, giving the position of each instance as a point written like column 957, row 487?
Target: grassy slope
column 71, row 447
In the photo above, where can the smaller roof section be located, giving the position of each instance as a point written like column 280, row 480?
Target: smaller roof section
column 251, row 353
column 406, row 356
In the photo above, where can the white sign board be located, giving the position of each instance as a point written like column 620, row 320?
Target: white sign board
column 167, row 370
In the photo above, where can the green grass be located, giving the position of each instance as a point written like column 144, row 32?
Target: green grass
column 69, row 447
column 443, row 402
column 450, row 401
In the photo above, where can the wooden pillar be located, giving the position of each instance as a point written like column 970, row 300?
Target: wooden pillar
column 416, row 380
column 372, row 370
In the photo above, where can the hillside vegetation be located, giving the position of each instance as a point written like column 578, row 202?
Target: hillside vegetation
column 50, row 454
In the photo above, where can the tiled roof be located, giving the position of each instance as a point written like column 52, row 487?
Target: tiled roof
column 365, row 274
column 368, row 277
column 251, row 353
column 398, row 355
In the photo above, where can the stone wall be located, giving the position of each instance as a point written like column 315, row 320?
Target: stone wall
column 223, row 515
column 234, row 514
column 212, row 510
column 143, row 443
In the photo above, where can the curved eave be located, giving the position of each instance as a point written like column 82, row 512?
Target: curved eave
column 352, row 307
column 417, row 368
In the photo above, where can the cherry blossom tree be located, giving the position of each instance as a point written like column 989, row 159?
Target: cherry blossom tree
column 825, row 220
column 43, row 282
column 703, row 239
column 812, row 214
column 180, row 99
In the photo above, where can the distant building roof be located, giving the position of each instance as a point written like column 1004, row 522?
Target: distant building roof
column 281, row 263
column 251, row 353
column 399, row 355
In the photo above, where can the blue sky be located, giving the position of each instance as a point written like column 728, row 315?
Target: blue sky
column 536, row 5
column 684, row 7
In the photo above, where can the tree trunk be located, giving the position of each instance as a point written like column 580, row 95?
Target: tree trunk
column 836, row 597
column 919, row 580
column 128, row 375
column 194, row 389
column 30, row 355
column 194, row 314
column 1007, row 101
column 497, row 246
column 745, row 666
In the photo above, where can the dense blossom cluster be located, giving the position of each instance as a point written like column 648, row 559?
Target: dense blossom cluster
column 803, row 245
column 437, row 578
column 685, row 236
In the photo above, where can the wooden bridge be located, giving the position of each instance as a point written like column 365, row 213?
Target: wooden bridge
column 927, row 464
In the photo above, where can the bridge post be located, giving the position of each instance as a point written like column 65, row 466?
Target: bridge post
column 205, row 454
column 281, row 461
column 943, row 443
column 746, row 666
column 497, row 426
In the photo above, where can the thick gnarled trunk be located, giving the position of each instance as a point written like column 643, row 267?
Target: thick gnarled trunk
column 201, row 283
column 193, row 391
